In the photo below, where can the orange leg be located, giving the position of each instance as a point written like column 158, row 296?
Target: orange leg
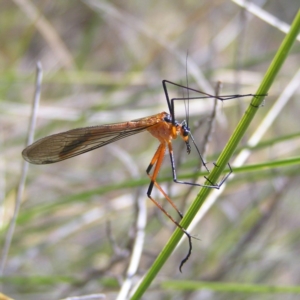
column 157, row 161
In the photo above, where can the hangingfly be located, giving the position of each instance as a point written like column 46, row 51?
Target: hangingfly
column 163, row 126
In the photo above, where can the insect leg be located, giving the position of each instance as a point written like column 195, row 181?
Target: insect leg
column 212, row 185
column 224, row 178
column 157, row 161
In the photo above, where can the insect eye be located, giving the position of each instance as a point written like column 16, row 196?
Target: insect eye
column 168, row 118
column 185, row 131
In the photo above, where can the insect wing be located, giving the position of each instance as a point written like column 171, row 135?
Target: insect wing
column 74, row 142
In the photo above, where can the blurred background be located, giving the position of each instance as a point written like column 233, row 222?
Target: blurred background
column 103, row 62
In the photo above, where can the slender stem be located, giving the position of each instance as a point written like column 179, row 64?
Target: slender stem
column 225, row 155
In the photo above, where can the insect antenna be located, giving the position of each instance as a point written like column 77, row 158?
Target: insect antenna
column 187, row 106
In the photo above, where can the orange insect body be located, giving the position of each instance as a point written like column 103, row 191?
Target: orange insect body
column 163, row 126
column 165, row 131
column 64, row 145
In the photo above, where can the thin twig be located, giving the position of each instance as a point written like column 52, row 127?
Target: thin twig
column 276, row 109
column 229, row 260
column 87, row 297
column 264, row 15
column 136, row 25
column 11, row 228
column 206, row 139
column 48, row 32
column 211, row 121
column 140, row 224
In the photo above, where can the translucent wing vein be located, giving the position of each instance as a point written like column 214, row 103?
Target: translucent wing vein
column 71, row 143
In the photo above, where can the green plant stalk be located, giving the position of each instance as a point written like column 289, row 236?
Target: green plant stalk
column 224, row 156
column 229, row 287
column 31, row 213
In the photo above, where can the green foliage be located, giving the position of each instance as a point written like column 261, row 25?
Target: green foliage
column 104, row 62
